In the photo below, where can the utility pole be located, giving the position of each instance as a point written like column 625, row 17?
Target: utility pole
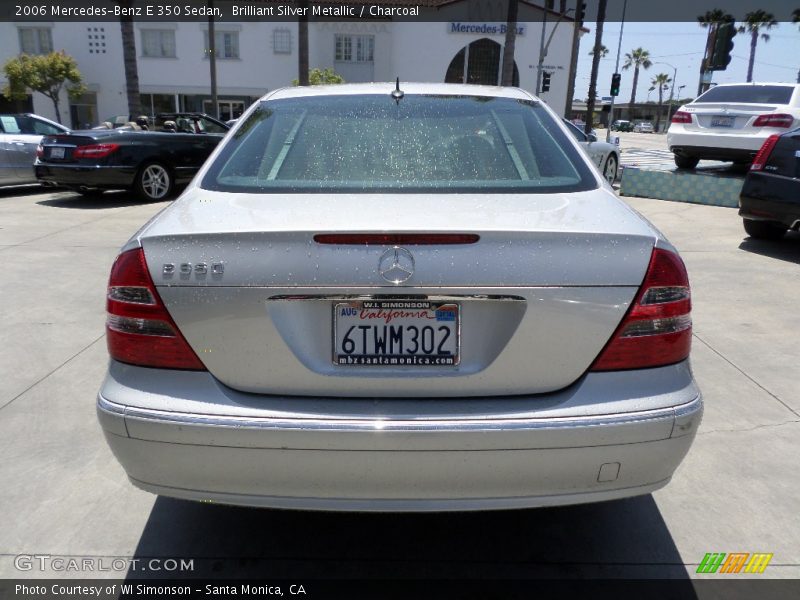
column 616, row 70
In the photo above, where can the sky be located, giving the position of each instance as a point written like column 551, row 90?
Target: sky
column 682, row 45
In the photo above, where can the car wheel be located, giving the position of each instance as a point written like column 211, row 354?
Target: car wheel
column 154, row 182
column 764, row 230
column 610, row 170
column 686, row 162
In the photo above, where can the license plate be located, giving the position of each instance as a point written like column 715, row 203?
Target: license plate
column 56, row 152
column 396, row 333
column 722, row 121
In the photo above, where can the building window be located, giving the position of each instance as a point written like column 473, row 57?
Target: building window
column 35, row 40
column 282, row 41
column 226, row 44
column 158, row 43
column 97, row 40
column 355, row 48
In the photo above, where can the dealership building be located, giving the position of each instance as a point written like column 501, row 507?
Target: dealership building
column 256, row 56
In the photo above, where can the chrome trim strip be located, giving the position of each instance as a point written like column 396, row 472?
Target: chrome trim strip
column 451, row 425
column 74, row 166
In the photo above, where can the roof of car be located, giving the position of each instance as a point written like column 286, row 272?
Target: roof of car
column 443, row 89
column 754, row 83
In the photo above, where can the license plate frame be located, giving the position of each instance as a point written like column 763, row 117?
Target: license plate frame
column 438, row 335
column 723, row 121
column 57, row 152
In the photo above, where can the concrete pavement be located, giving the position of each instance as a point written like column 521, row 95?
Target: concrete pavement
column 63, row 494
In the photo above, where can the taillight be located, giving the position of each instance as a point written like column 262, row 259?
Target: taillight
column 682, row 117
column 657, row 329
column 772, row 120
column 39, row 151
column 94, row 150
column 763, row 154
column 139, row 330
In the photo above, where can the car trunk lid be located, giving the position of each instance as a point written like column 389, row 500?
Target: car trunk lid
column 535, row 298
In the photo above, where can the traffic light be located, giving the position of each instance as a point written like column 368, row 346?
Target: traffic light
column 616, row 79
column 720, row 56
column 581, row 12
column 545, row 81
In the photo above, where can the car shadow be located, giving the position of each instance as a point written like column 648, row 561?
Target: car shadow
column 787, row 248
column 106, row 200
column 23, row 190
column 619, row 539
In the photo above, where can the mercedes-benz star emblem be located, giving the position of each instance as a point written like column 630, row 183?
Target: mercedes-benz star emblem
column 396, row 265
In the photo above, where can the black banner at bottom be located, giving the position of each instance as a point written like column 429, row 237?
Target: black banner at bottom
column 485, row 589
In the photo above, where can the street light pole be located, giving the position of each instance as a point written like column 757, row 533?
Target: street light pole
column 616, row 70
column 545, row 46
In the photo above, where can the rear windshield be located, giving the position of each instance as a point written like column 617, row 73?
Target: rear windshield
column 749, row 94
column 367, row 143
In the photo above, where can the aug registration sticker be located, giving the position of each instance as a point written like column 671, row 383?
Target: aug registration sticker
column 396, row 333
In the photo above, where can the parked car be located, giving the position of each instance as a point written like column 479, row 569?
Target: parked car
column 620, row 125
column 422, row 297
column 730, row 122
column 769, row 202
column 20, row 135
column 644, row 127
column 604, row 155
column 187, row 122
column 151, row 163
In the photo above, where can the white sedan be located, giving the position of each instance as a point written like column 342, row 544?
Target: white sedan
column 731, row 122
column 604, row 155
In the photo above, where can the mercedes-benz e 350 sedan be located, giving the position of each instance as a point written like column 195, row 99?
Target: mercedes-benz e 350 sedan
column 420, row 297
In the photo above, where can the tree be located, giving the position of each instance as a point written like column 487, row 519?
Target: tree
column 47, row 74
column 598, row 44
column 321, row 77
column 129, row 58
column 603, row 51
column 302, row 44
column 660, row 82
column 511, row 39
column 754, row 23
column 638, row 59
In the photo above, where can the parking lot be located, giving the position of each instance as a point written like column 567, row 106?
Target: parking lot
column 65, row 495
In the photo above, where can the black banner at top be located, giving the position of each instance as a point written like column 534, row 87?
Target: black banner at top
column 396, row 10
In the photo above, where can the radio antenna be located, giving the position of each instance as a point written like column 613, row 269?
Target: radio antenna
column 397, row 93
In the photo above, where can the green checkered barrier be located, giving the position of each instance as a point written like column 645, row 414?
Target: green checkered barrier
column 682, row 186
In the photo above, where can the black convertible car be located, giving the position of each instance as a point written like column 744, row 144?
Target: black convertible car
column 151, row 163
column 769, row 201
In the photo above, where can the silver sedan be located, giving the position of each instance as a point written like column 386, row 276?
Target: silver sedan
column 20, row 135
column 399, row 298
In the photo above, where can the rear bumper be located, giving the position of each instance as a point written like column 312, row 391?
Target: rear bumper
column 85, row 176
column 716, row 146
column 380, row 459
column 769, row 197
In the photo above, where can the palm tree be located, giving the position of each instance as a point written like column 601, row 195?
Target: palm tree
column 638, row 58
column 754, row 23
column 603, row 51
column 660, row 82
column 302, row 45
column 598, row 44
column 129, row 60
column 507, row 77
